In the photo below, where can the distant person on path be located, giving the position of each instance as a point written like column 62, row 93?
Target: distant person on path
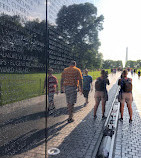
column 101, row 93
column 120, row 93
column 52, row 88
column 132, row 72
column 70, row 78
column 126, row 94
column 87, row 85
column 139, row 73
column 112, row 71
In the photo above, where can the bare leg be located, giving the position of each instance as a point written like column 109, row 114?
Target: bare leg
column 86, row 100
column 70, row 110
column 103, row 107
column 96, row 106
column 122, row 109
column 130, row 110
column 50, row 105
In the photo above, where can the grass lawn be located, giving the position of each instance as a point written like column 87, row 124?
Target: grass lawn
column 96, row 74
column 16, row 87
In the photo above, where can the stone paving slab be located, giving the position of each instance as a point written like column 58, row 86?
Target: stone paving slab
column 128, row 142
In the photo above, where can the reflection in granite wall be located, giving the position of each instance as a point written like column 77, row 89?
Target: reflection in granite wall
column 73, row 27
column 72, row 35
column 22, row 75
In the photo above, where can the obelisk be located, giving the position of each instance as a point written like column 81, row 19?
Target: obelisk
column 126, row 59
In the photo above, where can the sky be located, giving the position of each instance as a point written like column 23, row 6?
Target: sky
column 28, row 9
column 122, row 28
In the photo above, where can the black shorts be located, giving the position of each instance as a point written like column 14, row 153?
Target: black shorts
column 86, row 93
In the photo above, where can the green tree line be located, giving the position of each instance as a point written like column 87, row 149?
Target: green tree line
column 133, row 64
column 107, row 64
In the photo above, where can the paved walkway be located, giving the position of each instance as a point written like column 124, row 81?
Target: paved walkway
column 128, row 142
column 78, row 139
column 23, row 127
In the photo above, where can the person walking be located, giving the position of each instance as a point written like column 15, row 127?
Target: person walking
column 70, row 78
column 120, row 93
column 126, row 94
column 101, row 93
column 87, row 85
column 52, row 89
column 132, row 72
column 139, row 73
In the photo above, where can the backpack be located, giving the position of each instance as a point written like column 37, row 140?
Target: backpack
column 127, row 85
column 100, row 84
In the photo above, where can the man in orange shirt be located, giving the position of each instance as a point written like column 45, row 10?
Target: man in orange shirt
column 70, row 78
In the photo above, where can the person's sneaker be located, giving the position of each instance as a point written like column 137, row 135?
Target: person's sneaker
column 121, row 119
column 85, row 104
column 70, row 120
column 104, row 117
column 53, row 108
column 50, row 112
column 95, row 117
column 130, row 121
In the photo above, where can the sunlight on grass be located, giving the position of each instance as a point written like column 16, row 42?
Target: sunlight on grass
column 16, row 87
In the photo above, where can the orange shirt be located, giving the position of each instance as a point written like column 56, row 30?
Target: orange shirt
column 71, row 76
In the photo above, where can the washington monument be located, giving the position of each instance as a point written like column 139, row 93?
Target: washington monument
column 126, row 59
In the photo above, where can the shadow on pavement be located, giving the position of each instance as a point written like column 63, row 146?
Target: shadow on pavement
column 64, row 111
column 23, row 119
column 24, row 143
column 53, row 131
column 79, row 140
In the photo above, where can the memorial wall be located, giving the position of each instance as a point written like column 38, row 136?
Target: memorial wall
column 30, row 44
column 22, row 75
column 67, row 29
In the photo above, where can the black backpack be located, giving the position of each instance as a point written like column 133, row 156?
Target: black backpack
column 127, row 85
column 100, row 84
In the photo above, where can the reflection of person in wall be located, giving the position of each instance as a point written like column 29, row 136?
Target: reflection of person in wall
column 87, row 85
column 101, row 93
column 70, row 78
column 52, row 88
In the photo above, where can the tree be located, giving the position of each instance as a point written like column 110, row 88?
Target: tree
column 27, row 41
column 118, row 63
column 80, row 24
column 108, row 64
column 131, row 64
column 138, row 63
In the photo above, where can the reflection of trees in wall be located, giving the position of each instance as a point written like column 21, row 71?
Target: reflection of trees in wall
column 24, row 41
column 80, row 23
